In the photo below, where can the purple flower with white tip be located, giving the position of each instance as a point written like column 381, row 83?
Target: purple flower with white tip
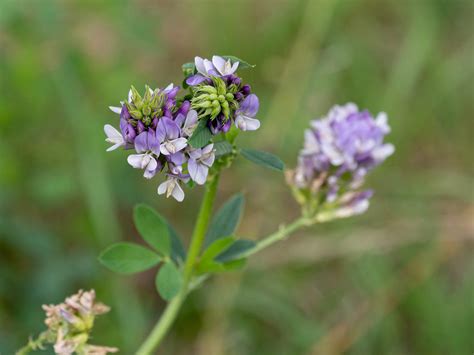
column 168, row 133
column 200, row 160
column 188, row 122
column 248, row 109
column 148, row 147
column 206, row 68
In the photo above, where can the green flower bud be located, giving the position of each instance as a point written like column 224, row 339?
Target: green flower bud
column 215, row 103
column 148, row 93
column 225, row 109
column 206, row 89
column 146, row 110
column 229, row 96
column 203, row 97
column 221, row 98
column 157, row 113
column 157, row 100
column 213, row 97
column 215, row 112
column 220, row 85
column 136, row 114
column 136, row 98
column 232, row 88
column 146, row 120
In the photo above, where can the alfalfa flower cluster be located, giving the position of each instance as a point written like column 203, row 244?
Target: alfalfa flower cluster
column 174, row 136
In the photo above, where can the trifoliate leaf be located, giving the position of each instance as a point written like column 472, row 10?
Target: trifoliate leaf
column 168, row 281
column 236, row 250
column 222, row 148
column 178, row 253
column 265, row 159
column 226, row 220
column 153, row 228
column 128, row 258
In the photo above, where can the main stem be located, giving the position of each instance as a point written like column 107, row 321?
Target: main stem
column 172, row 309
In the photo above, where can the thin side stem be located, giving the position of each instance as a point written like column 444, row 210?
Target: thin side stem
column 171, row 311
column 280, row 234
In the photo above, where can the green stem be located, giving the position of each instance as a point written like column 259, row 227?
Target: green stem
column 280, row 234
column 170, row 313
column 33, row 344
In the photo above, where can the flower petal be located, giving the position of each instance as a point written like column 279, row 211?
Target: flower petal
column 197, row 171
column 136, row 160
column 219, row 64
column 250, row 105
column 178, row 192
column 234, row 68
column 195, row 79
column 245, row 123
column 163, row 187
column 141, row 142
column 199, row 63
column 115, row 109
column 113, row 136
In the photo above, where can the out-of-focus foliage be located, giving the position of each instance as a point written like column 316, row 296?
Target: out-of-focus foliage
column 398, row 280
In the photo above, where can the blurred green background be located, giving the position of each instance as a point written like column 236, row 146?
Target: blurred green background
column 398, row 280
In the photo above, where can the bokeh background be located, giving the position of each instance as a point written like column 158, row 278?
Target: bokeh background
column 398, row 280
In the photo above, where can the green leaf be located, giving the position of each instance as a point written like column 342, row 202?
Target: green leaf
column 168, row 281
column 188, row 69
column 226, row 220
column 178, row 253
column 234, row 264
column 242, row 63
column 128, row 258
column 216, row 248
column 236, row 250
column 153, row 228
column 201, row 135
column 214, row 266
column 222, row 148
column 263, row 158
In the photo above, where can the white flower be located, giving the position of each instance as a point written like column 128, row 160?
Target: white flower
column 114, row 137
column 172, row 188
column 144, row 161
column 224, row 67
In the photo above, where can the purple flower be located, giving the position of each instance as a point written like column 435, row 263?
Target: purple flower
column 338, row 151
column 168, row 133
column 148, row 145
column 188, row 123
column 200, row 160
column 219, row 125
column 244, row 119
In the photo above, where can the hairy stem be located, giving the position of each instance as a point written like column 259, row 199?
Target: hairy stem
column 169, row 315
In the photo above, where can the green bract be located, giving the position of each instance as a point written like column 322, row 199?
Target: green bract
column 145, row 108
column 209, row 101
